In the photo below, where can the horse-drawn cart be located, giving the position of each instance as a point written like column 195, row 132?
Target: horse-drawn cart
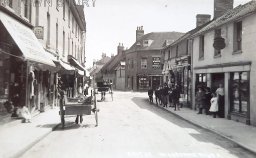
column 78, row 107
column 103, row 88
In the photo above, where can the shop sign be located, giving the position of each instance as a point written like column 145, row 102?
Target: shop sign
column 156, row 62
column 39, row 32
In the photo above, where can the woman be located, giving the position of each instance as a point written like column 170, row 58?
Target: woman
column 200, row 100
column 208, row 97
column 220, row 96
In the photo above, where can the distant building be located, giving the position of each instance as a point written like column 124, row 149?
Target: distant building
column 144, row 59
column 114, row 70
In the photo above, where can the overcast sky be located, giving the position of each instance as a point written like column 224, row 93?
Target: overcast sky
column 115, row 21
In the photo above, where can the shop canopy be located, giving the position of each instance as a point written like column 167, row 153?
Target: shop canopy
column 26, row 40
column 75, row 63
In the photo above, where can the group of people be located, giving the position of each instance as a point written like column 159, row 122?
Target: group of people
column 164, row 94
column 210, row 102
column 206, row 100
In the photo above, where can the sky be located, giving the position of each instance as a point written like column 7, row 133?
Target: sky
column 111, row 22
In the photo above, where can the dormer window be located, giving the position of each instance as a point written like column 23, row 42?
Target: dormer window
column 238, row 36
column 147, row 43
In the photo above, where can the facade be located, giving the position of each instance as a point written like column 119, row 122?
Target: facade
column 177, row 61
column 143, row 59
column 33, row 35
column 224, row 53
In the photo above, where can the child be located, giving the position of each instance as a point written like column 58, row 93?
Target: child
column 214, row 105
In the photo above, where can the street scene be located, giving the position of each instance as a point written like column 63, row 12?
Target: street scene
column 127, row 79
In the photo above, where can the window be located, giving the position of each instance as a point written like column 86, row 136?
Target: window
column 144, row 63
column 72, row 24
column 68, row 46
column 177, row 51
column 68, row 17
column 76, row 30
column 48, row 30
column 57, row 37
column 26, row 9
column 240, row 92
column 217, row 34
column 75, row 52
column 132, row 64
column 169, row 54
column 143, row 83
column 63, row 51
column 57, row 4
column 201, row 81
column 72, row 48
column 64, row 10
column 201, row 47
column 238, row 36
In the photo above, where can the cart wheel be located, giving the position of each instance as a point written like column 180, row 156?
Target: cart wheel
column 96, row 116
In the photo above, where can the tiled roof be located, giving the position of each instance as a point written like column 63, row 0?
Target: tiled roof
column 158, row 39
column 230, row 16
column 111, row 65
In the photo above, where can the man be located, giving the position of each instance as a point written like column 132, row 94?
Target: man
column 220, row 96
column 150, row 95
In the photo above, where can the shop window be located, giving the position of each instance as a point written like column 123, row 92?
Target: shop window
column 238, row 36
column 201, row 80
column 144, row 63
column 239, row 92
column 217, row 34
column 201, row 47
column 143, row 83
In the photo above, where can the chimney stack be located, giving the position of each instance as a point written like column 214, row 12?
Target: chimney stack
column 139, row 32
column 120, row 48
column 202, row 19
column 222, row 6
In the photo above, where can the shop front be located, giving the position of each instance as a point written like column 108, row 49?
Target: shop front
column 235, row 79
column 22, row 60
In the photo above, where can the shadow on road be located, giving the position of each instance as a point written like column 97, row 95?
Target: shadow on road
column 200, row 134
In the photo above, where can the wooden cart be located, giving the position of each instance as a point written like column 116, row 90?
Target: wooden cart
column 72, row 106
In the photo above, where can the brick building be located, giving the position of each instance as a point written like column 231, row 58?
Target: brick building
column 144, row 60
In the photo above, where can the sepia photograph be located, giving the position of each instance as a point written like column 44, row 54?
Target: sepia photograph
column 127, row 78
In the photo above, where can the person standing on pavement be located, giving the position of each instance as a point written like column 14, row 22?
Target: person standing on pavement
column 150, row 95
column 220, row 96
column 214, row 105
column 176, row 97
column 208, row 97
column 165, row 95
column 160, row 95
column 157, row 95
column 170, row 95
column 200, row 100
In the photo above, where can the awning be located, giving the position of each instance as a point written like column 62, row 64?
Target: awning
column 75, row 63
column 80, row 72
column 66, row 66
column 26, row 40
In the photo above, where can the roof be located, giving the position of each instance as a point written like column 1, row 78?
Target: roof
column 158, row 38
column 230, row 16
column 103, row 61
column 188, row 34
column 96, row 70
column 113, row 63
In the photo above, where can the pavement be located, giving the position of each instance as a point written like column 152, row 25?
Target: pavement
column 239, row 133
column 17, row 137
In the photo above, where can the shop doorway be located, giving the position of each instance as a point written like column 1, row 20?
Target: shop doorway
column 217, row 79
